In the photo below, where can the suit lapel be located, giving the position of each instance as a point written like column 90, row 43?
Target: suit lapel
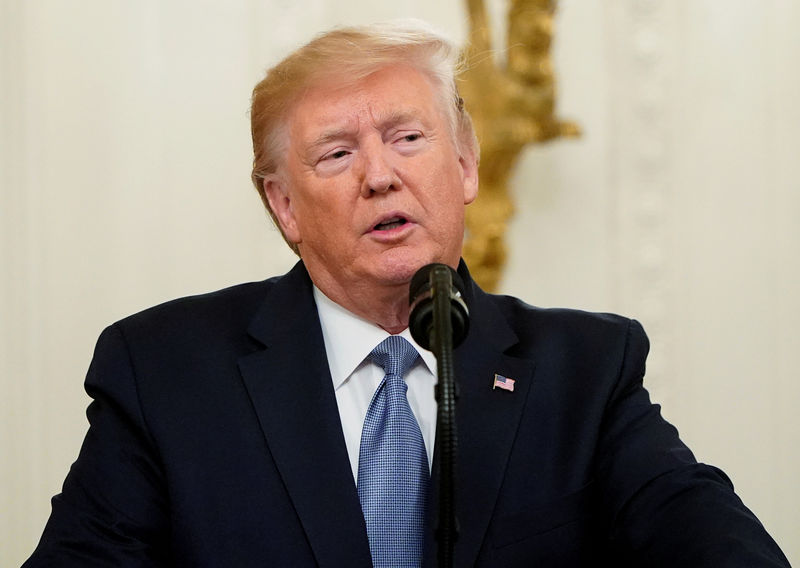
column 290, row 385
column 487, row 421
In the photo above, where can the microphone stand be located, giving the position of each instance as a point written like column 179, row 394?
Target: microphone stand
column 442, row 346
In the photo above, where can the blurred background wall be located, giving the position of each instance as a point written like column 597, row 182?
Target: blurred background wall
column 124, row 180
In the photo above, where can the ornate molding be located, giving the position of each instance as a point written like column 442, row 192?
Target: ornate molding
column 644, row 202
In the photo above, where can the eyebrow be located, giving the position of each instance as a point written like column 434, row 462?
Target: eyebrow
column 389, row 121
column 399, row 117
column 330, row 136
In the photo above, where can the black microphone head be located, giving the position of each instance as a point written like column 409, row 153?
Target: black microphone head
column 420, row 299
column 420, row 283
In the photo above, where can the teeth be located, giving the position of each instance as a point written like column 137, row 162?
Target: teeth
column 390, row 224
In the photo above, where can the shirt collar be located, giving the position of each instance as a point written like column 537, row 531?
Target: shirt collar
column 350, row 338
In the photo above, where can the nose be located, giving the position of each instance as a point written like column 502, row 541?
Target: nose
column 379, row 172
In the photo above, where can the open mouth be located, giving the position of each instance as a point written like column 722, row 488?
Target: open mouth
column 390, row 224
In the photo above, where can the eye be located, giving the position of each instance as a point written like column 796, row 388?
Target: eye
column 334, row 161
column 409, row 141
column 338, row 154
column 408, row 138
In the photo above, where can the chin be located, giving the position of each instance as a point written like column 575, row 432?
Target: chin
column 398, row 273
column 400, row 266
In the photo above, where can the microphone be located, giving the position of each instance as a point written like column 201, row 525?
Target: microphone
column 428, row 283
column 439, row 320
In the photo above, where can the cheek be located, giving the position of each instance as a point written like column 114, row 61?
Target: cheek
column 447, row 193
column 324, row 219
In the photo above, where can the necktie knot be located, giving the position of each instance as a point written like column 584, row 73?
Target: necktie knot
column 395, row 355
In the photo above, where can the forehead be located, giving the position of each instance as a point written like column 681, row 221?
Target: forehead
column 392, row 91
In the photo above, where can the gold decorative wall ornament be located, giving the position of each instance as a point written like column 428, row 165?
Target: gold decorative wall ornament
column 511, row 107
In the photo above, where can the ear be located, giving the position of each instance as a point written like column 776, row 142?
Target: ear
column 469, row 175
column 280, row 202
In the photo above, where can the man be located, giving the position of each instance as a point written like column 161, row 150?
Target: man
column 268, row 424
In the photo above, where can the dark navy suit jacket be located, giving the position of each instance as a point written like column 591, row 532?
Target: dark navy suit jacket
column 215, row 440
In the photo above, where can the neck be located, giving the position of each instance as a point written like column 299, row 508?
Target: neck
column 386, row 306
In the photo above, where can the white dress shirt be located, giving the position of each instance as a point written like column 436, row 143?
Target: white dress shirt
column 349, row 340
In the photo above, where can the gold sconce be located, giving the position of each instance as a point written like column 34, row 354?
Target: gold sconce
column 511, row 106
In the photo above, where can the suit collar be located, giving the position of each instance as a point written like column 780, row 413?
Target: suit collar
column 295, row 286
column 488, row 327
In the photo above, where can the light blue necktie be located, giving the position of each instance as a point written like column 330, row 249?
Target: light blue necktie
column 393, row 474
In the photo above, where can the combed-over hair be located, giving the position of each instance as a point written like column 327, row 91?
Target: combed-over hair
column 349, row 55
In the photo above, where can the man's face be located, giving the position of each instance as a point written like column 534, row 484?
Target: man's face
column 372, row 187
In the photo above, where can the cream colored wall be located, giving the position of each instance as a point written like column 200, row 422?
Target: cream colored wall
column 680, row 206
column 124, row 161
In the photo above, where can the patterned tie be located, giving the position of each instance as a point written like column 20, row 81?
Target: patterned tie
column 393, row 474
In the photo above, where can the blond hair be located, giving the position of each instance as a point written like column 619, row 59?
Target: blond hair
column 351, row 54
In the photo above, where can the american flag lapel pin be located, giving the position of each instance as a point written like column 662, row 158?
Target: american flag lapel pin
column 501, row 382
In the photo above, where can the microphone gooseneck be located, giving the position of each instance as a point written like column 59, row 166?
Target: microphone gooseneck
column 439, row 320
